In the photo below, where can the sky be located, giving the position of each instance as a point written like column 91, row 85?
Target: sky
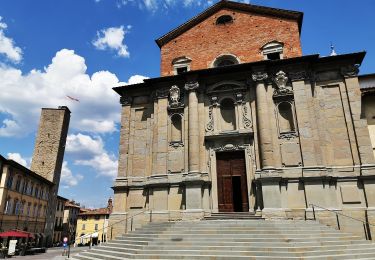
column 51, row 49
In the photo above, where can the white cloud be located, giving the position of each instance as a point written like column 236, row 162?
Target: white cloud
column 7, row 46
column 135, row 79
column 18, row 158
column 113, row 39
column 90, row 151
column 154, row 5
column 68, row 179
column 23, row 95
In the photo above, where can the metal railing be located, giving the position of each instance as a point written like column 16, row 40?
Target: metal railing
column 366, row 224
column 126, row 220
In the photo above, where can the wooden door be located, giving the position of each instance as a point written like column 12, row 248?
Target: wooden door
column 232, row 184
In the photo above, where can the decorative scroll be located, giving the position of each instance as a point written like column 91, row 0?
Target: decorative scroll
column 246, row 121
column 288, row 136
column 259, row 76
column 210, row 124
column 191, row 86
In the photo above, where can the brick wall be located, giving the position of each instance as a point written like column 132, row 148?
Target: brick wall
column 242, row 38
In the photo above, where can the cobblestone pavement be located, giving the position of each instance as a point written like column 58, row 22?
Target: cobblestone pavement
column 51, row 254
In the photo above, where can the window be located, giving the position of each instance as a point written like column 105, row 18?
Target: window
column 28, row 209
column 35, row 210
column 31, row 189
column 83, row 226
column 36, row 192
column 16, row 207
column 228, row 115
column 176, row 131
column 224, row 19
column 286, row 121
column 181, row 65
column 273, row 51
column 96, row 227
column 181, row 70
column 25, row 187
column 8, row 206
column 18, row 184
column 10, row 180
column 225, row 60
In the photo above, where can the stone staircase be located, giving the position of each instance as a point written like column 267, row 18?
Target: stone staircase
column 233, row 238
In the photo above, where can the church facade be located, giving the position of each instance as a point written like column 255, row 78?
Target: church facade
column 241, row 121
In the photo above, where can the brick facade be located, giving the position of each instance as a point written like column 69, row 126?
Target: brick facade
column 243, row 38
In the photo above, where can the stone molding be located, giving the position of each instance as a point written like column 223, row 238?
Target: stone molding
column 191, row 86
column 161, row 93
column 259, row 76
column 298, row 76
column 126, row 100
column 350, row 70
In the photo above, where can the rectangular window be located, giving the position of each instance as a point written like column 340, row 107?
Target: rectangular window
column 181, row 70
column 83, row 226
column 96, row 227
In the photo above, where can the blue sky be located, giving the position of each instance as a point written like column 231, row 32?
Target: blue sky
column 50, row 49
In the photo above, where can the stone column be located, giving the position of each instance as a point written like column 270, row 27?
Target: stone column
column 193, row 145
column 124, row 136
column 162, row 131
column 193, row 182
column 263, row 121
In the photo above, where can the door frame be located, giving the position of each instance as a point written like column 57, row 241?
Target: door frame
column 249, row 168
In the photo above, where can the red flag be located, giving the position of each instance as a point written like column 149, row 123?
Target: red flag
column 72, row 98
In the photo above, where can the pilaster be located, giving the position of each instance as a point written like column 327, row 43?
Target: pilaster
column 263, row 120
column 124, row 136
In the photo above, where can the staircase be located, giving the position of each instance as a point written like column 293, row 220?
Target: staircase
column 233, row 237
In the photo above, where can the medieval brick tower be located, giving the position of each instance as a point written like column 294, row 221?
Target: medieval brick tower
column 49, row 153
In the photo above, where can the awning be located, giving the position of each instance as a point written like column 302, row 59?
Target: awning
column 93, row 235
column 16, row 233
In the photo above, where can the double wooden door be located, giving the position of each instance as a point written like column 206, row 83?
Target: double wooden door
column 231, row 182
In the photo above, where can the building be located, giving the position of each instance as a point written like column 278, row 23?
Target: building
column 71, row 212
column 92, row 224
column 24, row 198
column 28, row 196
column 367, row 83
column 59, row 217
column 241, row 120
column 49, row 154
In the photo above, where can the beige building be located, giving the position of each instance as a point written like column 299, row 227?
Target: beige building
column 92, row 225
column 71, row 212
column 272, row 136
column 59, row 217
column 367, row 83
column 24, row 198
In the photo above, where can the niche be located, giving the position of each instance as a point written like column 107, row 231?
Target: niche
column 228, row 115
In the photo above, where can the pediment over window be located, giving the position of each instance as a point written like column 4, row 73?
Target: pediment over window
column 226, row 86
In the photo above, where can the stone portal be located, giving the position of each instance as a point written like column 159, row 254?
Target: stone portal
column 231, row 182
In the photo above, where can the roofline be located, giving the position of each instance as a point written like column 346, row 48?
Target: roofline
column 366, row 75
column 358, row 58
column 289, row 14
column 24, row 169
column 62, row 198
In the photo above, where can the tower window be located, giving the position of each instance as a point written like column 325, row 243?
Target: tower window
column 224, row 19
column 273, row 51
column 181, row 65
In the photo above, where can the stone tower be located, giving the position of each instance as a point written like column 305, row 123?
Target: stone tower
column 49, row 154
column 50, row 143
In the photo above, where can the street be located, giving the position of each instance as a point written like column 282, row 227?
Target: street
column 51, row 254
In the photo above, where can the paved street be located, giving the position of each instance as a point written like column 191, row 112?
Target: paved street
column 52, row 254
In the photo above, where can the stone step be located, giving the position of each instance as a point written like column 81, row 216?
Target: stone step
column 241, row 231
column 262, row 247
column 242, row 236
